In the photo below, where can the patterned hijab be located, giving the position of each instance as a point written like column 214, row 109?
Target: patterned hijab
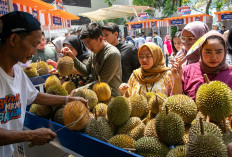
column 157, row 71
column 198, row 29
column 223, row 65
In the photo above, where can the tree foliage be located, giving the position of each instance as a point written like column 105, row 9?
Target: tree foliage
column 109, row 2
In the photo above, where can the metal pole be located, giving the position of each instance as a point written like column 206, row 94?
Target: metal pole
column 10, row 5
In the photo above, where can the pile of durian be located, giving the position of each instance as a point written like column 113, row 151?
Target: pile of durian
column 153, row 125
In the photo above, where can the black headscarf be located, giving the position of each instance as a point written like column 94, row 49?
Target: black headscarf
column 229, row 42
column 78, row 45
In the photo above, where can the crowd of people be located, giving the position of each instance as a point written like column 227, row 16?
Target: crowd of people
column 137, row 65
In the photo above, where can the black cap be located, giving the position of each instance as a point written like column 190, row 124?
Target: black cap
column 112, row 27
column 17, row 22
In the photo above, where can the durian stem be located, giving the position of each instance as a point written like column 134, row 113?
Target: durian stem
column 166, row 110
column 224, row 123
column 39, row 59
column 201, row 126
column 130, row 149
column 206, row 78
column 159, row 96
column 140, row 90
column 208, row 118
column 126, row 94
column 99, row 79
column 144, row 120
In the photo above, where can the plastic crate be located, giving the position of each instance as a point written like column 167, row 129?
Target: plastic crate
column 76, row 141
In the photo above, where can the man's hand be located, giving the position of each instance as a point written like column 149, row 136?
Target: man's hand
column 84, row 101
column 42, row 136
column 67, row 52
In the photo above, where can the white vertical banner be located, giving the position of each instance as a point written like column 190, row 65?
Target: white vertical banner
column 204, row 19
column 30, row 10
column 24, row 8
column 42, row 19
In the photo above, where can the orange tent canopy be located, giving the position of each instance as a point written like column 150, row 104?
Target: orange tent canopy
column 144, row 21
column 181, row 17
column 223, row 12
column 62, row 13
column 37, row 4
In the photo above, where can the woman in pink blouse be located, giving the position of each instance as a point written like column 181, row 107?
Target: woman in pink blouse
column 167, row 47
column 212, row 62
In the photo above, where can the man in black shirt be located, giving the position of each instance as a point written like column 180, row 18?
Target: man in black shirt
column 129, row 53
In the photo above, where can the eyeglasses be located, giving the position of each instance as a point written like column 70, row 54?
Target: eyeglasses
column 146, row 57
column 189, row 39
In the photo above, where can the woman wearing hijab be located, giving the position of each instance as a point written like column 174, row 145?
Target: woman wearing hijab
column 213, row 55
column 190, row 34
column 58, row 43
column 77, row 47
column 153, row 76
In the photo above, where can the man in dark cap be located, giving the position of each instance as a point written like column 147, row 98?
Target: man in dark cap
column 129, row 53
column 20, row 33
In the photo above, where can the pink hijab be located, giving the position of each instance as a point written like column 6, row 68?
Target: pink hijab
column 223, row 65
column 198, row 29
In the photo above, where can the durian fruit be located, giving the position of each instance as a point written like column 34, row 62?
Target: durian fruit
column 99, row 128
column 31, row 72
column 119, row 110
column 51, row 80
column 182, row 105
column 178, row 151
column 32, row 108
column 107, row 101
column 149, row 95
column 226, row 132
column 57, row 90
column 186, row 134
column 41, row 67
column 139, row 105
column 65, row 65
column 58, row 117
column 100, row 110
column 156, row 101
column 134, row 127
column 151, row 147
column 69, row 86
column 102, row 90
column 214, row 99
column 150, row 130
column 75, row 115
column 42, row 110
column 209, row 128
column 89, row 95
column 122, row 141
column 169, row 128
column 205, row 145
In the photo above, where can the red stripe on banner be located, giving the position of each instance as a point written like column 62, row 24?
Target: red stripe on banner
column 51, row 19
column 169, row 22
column 38, row 15
column 187, row 19
column 191, row 19
column 28, row 10
column 219, row 17
column 21, row 7
column 201, row 17
column 148, row 25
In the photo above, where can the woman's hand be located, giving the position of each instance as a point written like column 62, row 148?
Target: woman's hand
column 176, row 70
column 67, row 52
column 123, row 88
column 53, row 71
